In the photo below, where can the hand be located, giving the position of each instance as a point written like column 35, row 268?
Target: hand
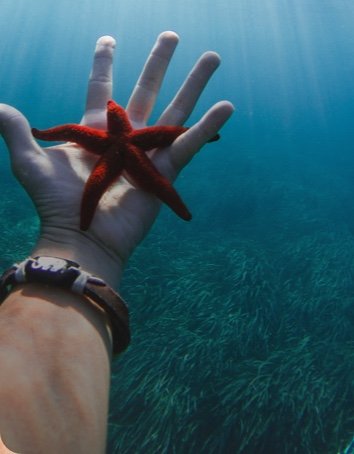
column 54, row 177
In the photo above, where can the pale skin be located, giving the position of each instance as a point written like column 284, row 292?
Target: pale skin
column 55, row 348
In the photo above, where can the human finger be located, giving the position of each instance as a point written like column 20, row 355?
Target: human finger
column 187, row 145
column 100, row 82
column 16, row 131
column 186, row 98
column 148, row 85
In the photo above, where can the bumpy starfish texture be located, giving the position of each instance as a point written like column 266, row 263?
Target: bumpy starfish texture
column 120, row 148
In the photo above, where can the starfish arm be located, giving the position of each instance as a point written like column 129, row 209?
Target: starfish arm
column 214, row 138
column 106, row 171
column 155, row 136
column 158, row 136
column 147, row 177
column 117, row 119
column 93, row 140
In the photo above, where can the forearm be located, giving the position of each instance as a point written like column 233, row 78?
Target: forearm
column 55, row 372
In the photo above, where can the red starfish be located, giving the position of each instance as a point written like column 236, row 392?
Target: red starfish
column 120, row 148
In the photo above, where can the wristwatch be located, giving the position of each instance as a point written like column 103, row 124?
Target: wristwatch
column 55, row 271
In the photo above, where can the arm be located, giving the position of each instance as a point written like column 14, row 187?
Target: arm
column 55, row 347
column 55, row 372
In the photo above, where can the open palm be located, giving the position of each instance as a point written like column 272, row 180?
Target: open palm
column 54, row 177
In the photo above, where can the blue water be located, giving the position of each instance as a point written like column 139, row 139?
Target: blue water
column 255, row 295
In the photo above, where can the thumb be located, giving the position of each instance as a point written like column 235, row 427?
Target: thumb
column 16, row 131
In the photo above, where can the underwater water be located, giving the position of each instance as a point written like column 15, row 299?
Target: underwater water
column 242, row 319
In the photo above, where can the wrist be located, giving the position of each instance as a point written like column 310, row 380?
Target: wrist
column 92, row 255
column 61, row 274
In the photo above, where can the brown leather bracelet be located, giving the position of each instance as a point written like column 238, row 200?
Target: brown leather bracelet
column 67, row 274
column 117, row 312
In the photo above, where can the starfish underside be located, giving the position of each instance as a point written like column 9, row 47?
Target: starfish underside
column 120, row 148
